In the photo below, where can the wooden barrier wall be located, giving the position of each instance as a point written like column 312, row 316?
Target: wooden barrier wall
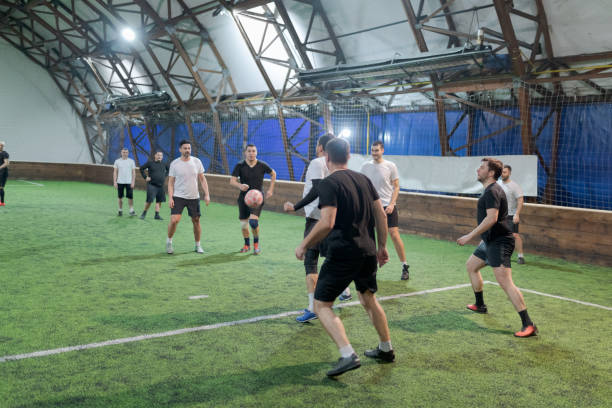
column 569, row 233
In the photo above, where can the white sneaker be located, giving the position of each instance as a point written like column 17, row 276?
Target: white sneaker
column 199, row 249
column 132, row 213
column 169, row 248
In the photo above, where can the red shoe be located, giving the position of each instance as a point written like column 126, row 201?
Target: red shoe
column 2, row 204
column 527, row 331
column 477, row 309
column 256, row 249
column 244, row 249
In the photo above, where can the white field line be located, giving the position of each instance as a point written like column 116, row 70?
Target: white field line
column 535, row 292
column 198, row 297
column 31, row 182
column 43, row 353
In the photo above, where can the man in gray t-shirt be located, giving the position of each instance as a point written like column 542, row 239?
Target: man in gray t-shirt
column 514, row 194
column 384, row 176
column 124, row 177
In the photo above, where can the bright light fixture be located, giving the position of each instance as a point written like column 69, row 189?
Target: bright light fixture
column 128, row 34
column 345, row 133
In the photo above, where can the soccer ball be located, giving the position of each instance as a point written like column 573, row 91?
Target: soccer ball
column 253, row 198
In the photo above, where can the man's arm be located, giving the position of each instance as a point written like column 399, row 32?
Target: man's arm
column 272, row 181
column 234, row 182
column 115, row 177
column 5, row 164
column 321, row 229
column 485, row 225
column 396, row 189
column 381, row 233
column 171, row 191
column 519, row 206
column 142, row 170
column 204, row 184
column 312, row 195
column 133, row 176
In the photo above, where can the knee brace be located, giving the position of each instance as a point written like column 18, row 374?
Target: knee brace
column 244, row 225
column 254, row 223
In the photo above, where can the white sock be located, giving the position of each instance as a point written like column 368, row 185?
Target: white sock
column 168, row 240
column 347, row 291
column 385, row 345
column 404, row 263
column 520, row 255
column 131, row 209
column 197, row 243
column 311, row 301
column 347, row 351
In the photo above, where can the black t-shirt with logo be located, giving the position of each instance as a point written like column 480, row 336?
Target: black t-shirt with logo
column 494, row 197
column 158, row 171
column 3, row 156
column 353, row 195
column 253, row 176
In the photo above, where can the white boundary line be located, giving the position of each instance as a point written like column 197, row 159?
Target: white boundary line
column 197, row 297
column 535, row 292
column 124, row 340
column 30, row 182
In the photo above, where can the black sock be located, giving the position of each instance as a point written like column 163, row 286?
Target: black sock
column 255, row 240
column 157, row 213
column 144, row 212
column 247, row 242
column 1, row 195
column 525, row 318
column 479, row 298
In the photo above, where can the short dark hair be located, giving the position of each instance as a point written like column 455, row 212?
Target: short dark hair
column 323, row 140
column 509, row 167
column 494, row 165
column 338, row 150
column 125, row 148
column 182, row 142
column 249, row 145
column 379, row 143
column 159, row 151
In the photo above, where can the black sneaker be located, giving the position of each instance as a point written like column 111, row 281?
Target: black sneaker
column 405, row 272
column 378, row 354
column 157, row 217
column 142, row 217
column 478, row 308
column 521, row 260
column 119, row 213
column 345, row 364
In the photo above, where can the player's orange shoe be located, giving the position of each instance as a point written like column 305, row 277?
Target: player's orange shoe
column 244, row 249
column 477, row 308
column 256, row 249
column 527, row 331
column 1, row 204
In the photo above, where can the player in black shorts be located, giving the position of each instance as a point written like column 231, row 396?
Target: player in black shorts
column 4, row 162
column 496, row 246
column 350, row 211
column 155, row 173
column 249, row 175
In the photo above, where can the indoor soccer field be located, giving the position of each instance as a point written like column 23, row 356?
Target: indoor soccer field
column 94, row 314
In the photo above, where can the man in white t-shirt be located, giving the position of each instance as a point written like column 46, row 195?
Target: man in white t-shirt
column 317, row 171
column 514, row 194
column 384, row 176
column 124, row 177
column 183, row 192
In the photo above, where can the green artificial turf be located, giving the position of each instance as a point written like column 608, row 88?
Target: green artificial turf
column 72, row 272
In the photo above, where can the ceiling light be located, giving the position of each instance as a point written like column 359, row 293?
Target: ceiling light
column 128, row 34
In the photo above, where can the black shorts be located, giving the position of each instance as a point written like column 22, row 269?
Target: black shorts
column 513, row 227
column 393, row 218
column 156, row 193
column 3, row 177
column 311, row 258
column 193, row 206
column 496, row 253
column 244, row 211
column 336, row 275
column 127, row 188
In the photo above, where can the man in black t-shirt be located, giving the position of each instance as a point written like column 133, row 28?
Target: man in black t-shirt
column 4, row 162
column 350, row 211
column 155, row 173
column 496, row 246
column 249, row 175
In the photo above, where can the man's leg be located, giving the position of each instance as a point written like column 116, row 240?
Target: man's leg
column 504, row 278
column 146, row 208
column 197, row 233
column 1, row 194
column 398, row 243
column 254, row 223
column 519, row 247
column 310, row 265
column 331, row 323
column 473, row 265
column 244, row 227
column 384, row 350
column 174, row 220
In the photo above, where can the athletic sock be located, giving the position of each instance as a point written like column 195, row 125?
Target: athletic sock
column 404, row 263
column 520, row 255
column 255, row 240
column 525, row 318
column 311, row 301
column 247, row 242
column 385, row 345
column 347, row 351
column 168, row 240
column 145, row 212
column 197, row 243
column 1, row 195
column 347, row 291
column 479, row 298
column 156, row 213
column 131, row 209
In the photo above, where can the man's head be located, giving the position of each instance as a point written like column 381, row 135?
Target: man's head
column 506, row 172
column 378, row 148
column 322, row 142
column 338, row 151
column 124, row 153
column 159, row 155
column 250, row 152
column 1, row 146
column 489, row 169
column 185, row 148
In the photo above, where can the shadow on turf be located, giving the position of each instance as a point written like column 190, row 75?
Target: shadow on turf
column 201, row 260
column 449, row 320
column 555, row 267
column 216, row 259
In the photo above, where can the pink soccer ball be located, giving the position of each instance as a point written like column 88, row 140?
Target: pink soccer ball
column 254, row 198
